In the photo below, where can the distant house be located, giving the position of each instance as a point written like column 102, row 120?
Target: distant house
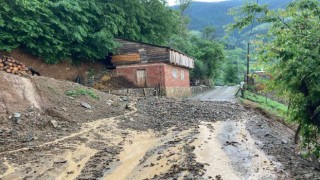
column 152, row 66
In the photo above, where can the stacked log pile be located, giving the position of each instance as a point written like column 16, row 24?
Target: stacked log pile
column 10, row 65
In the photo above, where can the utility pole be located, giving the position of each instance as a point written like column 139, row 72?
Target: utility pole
column 248, row 63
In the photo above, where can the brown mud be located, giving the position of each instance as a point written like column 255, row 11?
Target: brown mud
column 146, row 138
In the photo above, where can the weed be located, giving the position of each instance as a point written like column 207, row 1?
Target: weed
column 267, row 104
column 82, row 92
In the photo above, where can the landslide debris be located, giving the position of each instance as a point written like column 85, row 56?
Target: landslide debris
column 162, row 113
column 45, row 111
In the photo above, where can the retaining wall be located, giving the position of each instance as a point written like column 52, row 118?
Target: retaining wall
column 199, row 89
column 134, row 92
column 177, row 92
column 142, row 92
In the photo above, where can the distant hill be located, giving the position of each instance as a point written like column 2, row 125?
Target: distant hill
column 215, row 14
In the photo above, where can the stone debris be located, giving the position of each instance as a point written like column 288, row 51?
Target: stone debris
column 17, row 117
column 86, row 105
column 54, row 123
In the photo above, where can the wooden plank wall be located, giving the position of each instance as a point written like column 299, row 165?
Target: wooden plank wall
column 148, row 53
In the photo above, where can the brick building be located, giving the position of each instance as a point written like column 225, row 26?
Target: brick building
column 152, row 66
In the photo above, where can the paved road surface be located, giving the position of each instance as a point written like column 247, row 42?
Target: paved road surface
column 220, row 93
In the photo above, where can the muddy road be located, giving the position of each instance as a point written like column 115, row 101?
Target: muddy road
column 206, row 137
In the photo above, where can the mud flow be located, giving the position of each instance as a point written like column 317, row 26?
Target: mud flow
column 159, row 138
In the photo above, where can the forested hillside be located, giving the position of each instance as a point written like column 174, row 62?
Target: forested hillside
column 215, row 14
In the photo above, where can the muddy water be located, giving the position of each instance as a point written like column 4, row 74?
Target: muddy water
column 231, row 152
column 226, row 148
column 139, row 144
column 76, row 161
column 10, row 169
column 209, row 150
column 72, row 153
column 147, row 155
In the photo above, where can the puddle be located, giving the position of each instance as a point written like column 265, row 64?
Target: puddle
column 130, row 157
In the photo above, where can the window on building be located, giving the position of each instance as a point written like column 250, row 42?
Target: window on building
column 174, row 73
column 182, row 75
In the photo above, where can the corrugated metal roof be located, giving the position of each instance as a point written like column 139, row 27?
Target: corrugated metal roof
column 166, row 47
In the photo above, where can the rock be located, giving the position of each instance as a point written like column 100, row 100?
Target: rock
column 60, row 162
column 129, row 107
column 13, row 132
column 54, row 123
column 29, row 138
column 109, row 102
column 86, row 105
column 17, row 117
column 309, row 175
column 124, row 98
column 284, row 142
column 116, row 104
column 218, row 177
column 30, row 109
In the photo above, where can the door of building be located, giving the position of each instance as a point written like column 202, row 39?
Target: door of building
column 141, row 77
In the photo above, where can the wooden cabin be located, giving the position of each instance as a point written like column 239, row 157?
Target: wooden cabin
column 152, row 66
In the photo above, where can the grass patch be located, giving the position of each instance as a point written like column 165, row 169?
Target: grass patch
column 267, row 104
column 82, row 92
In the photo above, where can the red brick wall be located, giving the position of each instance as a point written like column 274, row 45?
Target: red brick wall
column 154, row 73
column 176, row 76
column 157, row 73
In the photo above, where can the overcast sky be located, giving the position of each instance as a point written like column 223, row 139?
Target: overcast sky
column 172, row 2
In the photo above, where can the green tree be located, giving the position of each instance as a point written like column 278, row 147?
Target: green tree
column 235, row 66
column 291, row 51
column 208, row 54
column 81, row 29
column 183, row 5
column 209, row 32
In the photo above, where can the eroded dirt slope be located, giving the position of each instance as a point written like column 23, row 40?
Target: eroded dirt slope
column 46, row 111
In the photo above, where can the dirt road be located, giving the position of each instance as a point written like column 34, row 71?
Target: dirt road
column 220, row 93
column 160, row 138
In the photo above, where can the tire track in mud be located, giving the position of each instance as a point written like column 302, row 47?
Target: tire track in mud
column 87, row 127
column 75, row 164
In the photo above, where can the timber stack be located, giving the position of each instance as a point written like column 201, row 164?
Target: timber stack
column 10, row 65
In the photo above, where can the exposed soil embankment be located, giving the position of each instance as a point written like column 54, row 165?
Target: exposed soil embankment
column 46, row 111
column 63, row 70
